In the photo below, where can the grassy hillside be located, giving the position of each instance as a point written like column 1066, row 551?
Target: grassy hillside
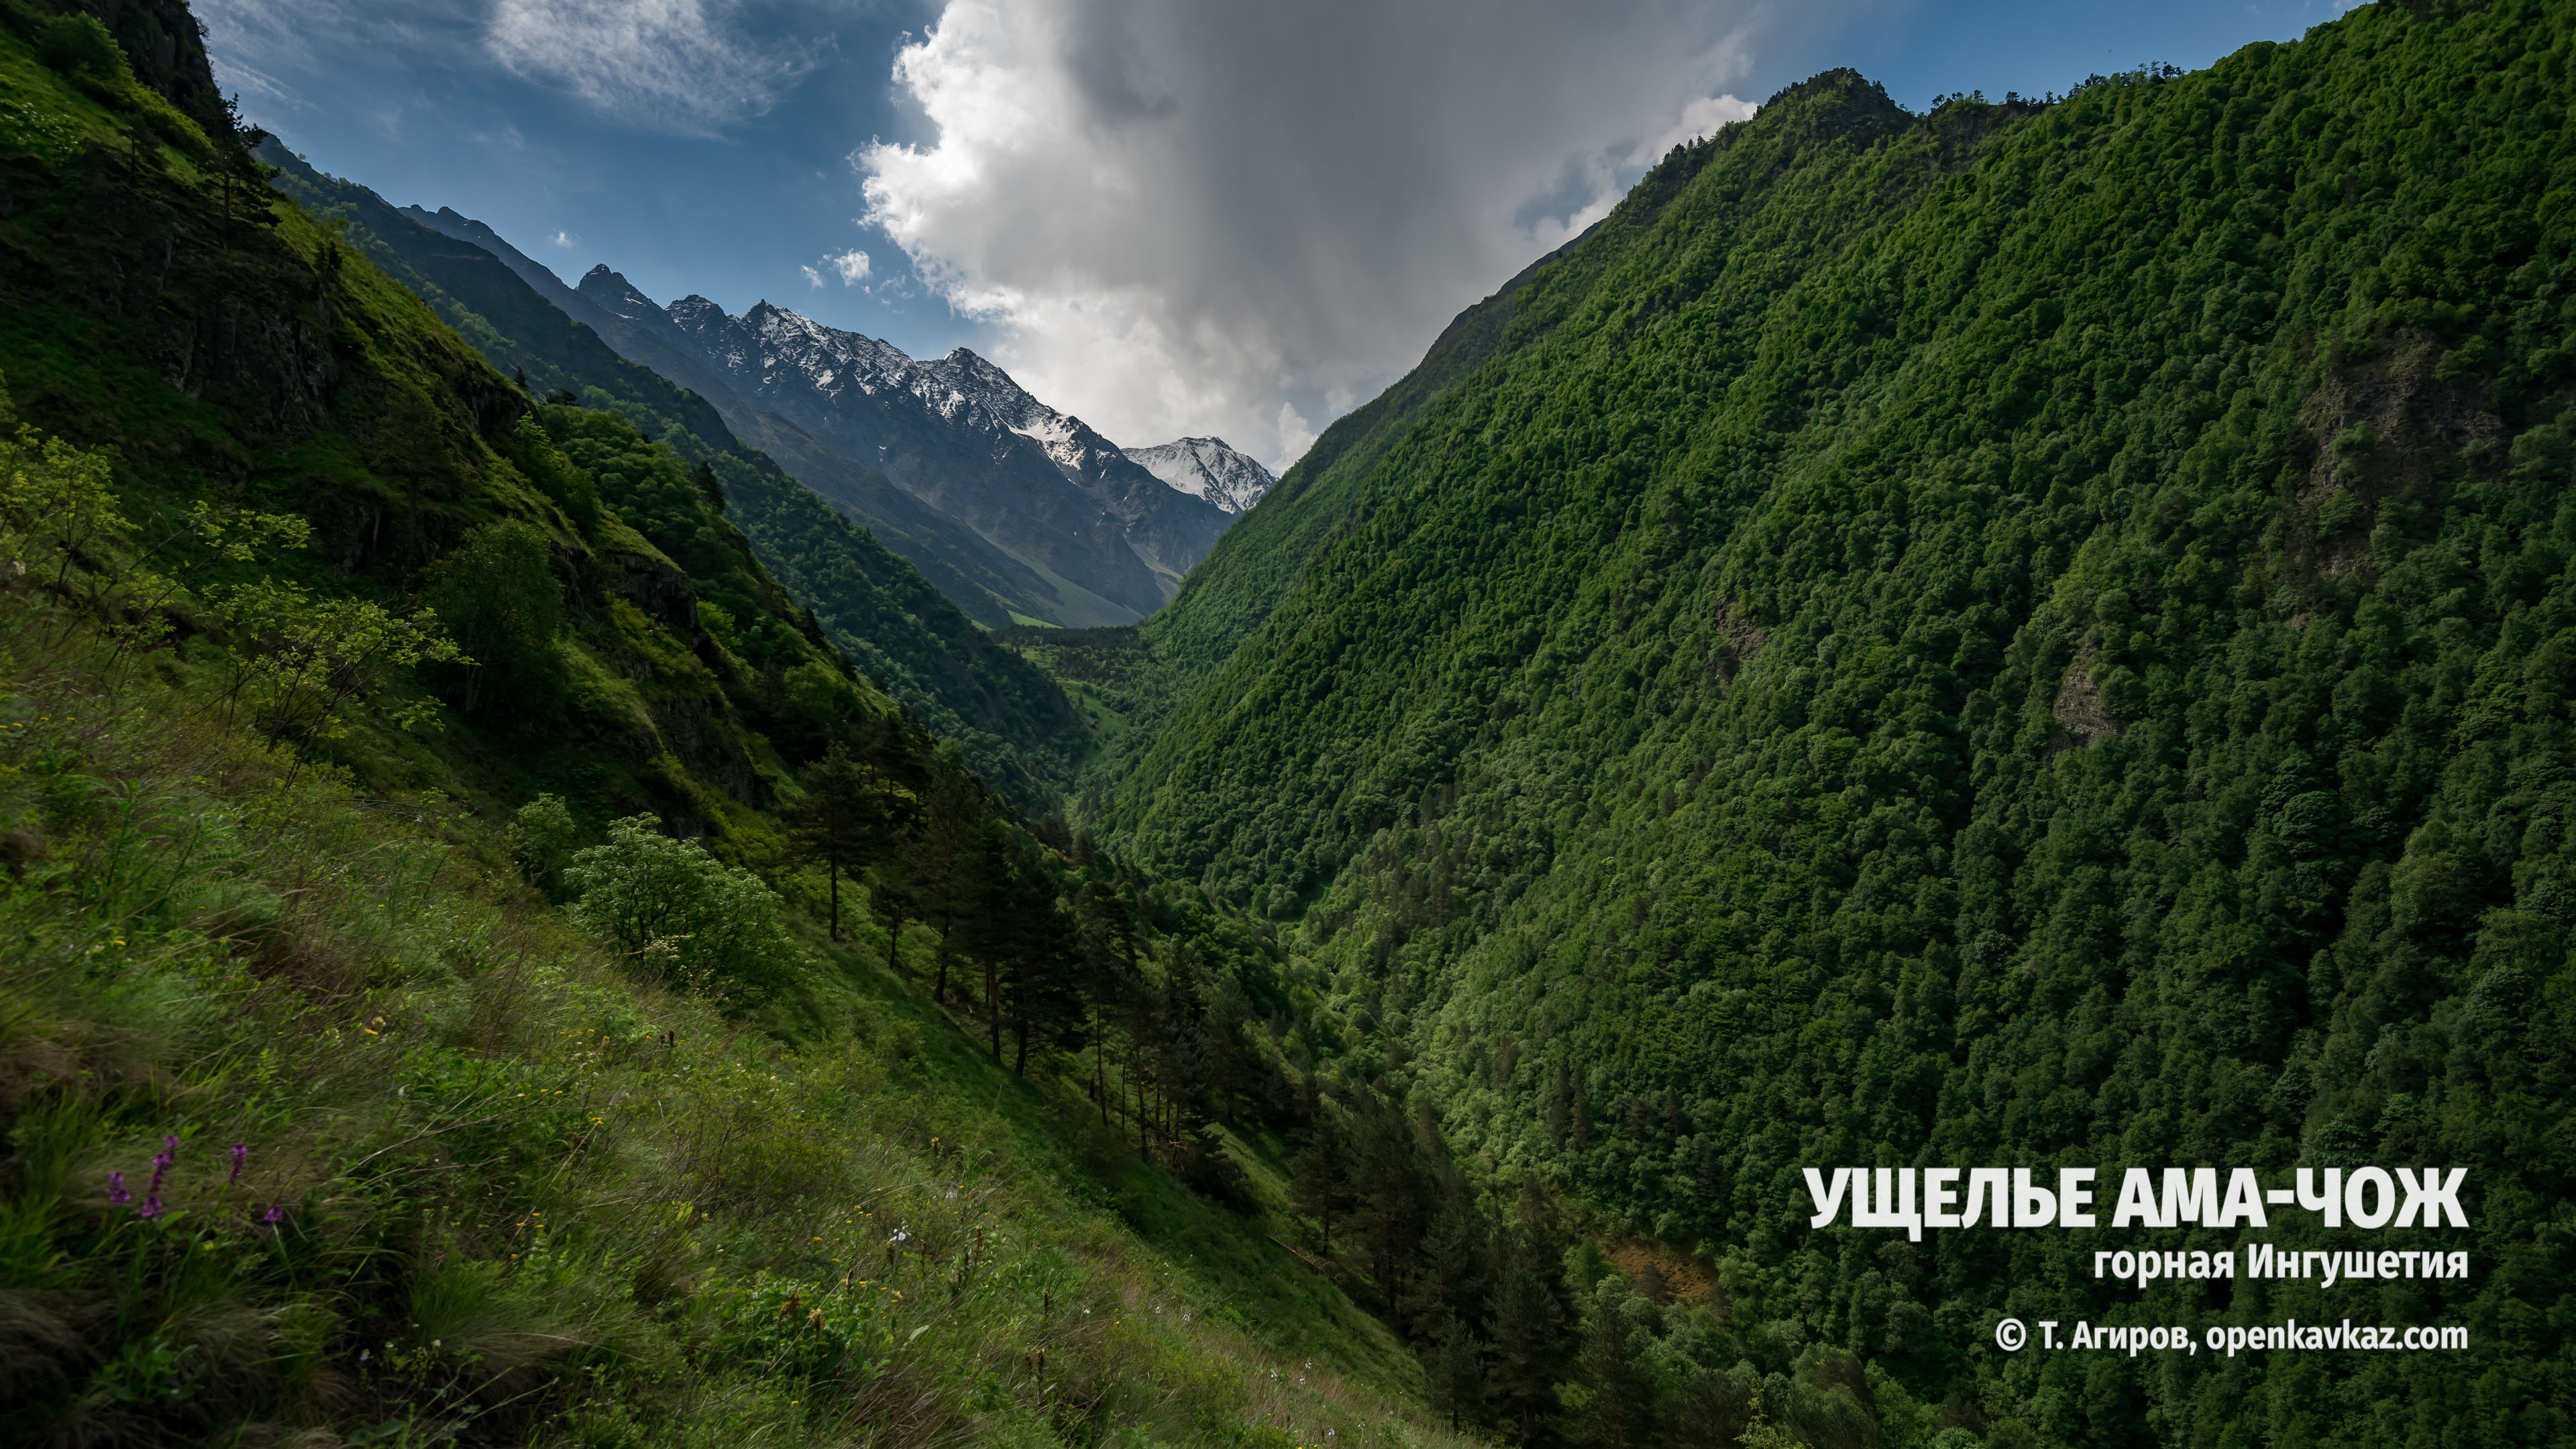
column 485, row 969
column 2030, row 635
column 1013, row 724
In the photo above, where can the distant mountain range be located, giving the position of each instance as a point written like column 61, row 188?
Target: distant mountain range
column 1018, row 512
column 891, row 581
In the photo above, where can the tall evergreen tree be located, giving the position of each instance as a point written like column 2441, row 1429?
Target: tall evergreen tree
column 1618, row 1406
column 1528, row 1343
column 1109, row 955
column 1043, row 987
column 1319, row 1182
column 846, row 820
column 1454, row 1372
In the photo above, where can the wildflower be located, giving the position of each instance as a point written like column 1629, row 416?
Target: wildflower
column 276, row 1214
column 241, row 1154
column 151, row 1209
column 161, row 1164
column 117, row 1196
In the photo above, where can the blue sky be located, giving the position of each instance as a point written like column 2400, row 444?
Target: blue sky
column 1168, row 215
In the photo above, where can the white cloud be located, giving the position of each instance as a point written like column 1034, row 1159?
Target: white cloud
column 262, row 47
column 813, row 278
column 675, row 65
column 565, row 239
column 852, row 265
column 1226, row 216
column 1295, row 436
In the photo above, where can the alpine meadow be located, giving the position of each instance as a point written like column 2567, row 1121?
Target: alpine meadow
column 2024, row 645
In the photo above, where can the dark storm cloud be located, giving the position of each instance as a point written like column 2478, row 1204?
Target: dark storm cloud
column 1238, row 217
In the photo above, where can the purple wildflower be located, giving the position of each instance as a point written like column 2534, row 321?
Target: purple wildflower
column 241, row 1154
column 161, row 1167
column 276, row 1214
column 117, row 1196
column 151, row 1209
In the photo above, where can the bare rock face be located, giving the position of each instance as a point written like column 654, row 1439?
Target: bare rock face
column 2081, row 715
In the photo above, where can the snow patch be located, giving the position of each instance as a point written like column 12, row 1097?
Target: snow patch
column 1207, row 468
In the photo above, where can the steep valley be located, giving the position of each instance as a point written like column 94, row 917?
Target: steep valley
column 586, row 871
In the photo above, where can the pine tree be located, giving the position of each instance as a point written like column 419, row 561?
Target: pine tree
column 1454, row 1372
column 1319, row 1185
column 939, row 862
column 844, row 822
column 1619, row 1405
column 1446, row 1283
column 1042, row 992
column 893, row 900
column 1109, row 952
column 1527, row 1346
column 987, row 891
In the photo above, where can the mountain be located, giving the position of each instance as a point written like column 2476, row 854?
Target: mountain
column 1170, row 528
column 1207, row 468
column 1258, row 561
column 2030, row 635
column 1014, row 725
column 987, row 584
column 958, row 434
column 483, row 967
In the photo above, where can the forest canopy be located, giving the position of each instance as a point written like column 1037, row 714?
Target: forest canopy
column 2029, row 636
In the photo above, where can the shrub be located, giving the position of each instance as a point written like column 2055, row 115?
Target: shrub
column 669, row 906
column 540, row 839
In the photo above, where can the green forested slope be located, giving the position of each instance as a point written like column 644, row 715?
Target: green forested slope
column 1265, row 553
column 1013, row 724
column 2020, row 636
column 481, row 969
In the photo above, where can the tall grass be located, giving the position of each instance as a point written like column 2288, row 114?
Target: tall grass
column 321, row 1127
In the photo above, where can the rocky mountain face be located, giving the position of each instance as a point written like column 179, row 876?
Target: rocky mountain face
column 987, row 584
column 1171, row 530
column 1109, row 538
column 1207, row 468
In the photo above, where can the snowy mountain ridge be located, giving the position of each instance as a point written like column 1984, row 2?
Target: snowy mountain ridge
column 1207, row 468
column 1108, row 539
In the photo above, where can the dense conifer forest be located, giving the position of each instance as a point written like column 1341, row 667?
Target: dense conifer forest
column 2030, row 635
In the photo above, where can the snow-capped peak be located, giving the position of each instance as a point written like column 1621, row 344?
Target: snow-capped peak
column 1207, row 468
